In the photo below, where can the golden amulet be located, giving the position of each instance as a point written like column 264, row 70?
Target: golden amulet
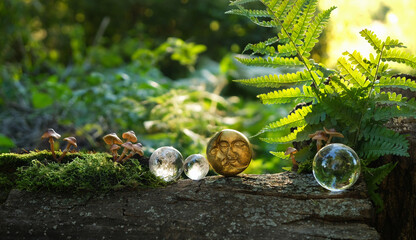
column 229, row 152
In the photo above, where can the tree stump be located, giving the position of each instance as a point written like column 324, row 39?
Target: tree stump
column 270, row 206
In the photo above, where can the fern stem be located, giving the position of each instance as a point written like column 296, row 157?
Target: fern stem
column 315, row 85
column 369, row 94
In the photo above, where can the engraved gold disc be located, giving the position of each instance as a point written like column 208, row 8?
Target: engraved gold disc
column 229, row 152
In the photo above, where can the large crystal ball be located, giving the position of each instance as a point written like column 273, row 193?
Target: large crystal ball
column 196, row 167
column 166, row 163
column 336, row 167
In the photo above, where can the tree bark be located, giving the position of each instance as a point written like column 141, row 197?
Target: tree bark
column 270, row 206
column 398, row 218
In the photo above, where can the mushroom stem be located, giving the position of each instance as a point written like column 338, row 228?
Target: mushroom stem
column 64, row 152
column 131, row 154
column 329, row 140
column 125, row 150
column 294, row 163
column 51, row 142
column 318, row 145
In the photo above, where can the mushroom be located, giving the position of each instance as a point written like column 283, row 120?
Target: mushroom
column 318, row 136
column 72, row 141
column 292, row 151
column 112, row 139
column 130, row 136
column 332, row 133
column 51, row 134
column 127, row 146
column 136, row 148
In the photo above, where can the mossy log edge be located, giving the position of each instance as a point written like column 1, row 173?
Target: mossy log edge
column 270, row 206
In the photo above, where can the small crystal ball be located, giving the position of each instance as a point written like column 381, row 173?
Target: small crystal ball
column 196, row 167
column 336, row 167
column 166, row 163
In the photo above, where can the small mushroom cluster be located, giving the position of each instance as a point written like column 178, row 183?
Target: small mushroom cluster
column 116, row 143
column 321, row 135
column 51, row 134
column 324, row 135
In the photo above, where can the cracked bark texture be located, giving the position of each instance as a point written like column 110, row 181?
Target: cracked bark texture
column 270, row 206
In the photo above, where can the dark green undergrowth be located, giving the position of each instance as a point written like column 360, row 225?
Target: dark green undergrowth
column 79, row 172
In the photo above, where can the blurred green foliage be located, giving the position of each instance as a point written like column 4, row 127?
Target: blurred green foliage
column 162, row 69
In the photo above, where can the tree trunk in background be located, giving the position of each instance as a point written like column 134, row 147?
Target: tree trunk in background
column 398, row 190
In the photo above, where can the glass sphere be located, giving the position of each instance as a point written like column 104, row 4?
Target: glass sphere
column 196, row 167
column 166, row 163
column 336, row 167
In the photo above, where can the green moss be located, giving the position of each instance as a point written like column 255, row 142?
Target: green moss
column 305, row 166
column 78, row 172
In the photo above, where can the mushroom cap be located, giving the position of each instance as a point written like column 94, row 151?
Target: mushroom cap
column 114, row 147
column 51, row 133
column 291, row 150
column 138, row 148
column 72, row 141
column 127, row 145
column 333, row 132
column 318, row 135
column 130, row 136
column 112, row 138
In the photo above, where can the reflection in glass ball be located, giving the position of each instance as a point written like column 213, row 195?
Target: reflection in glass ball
column 336, row 167
column 196, row 167
column 166, row 163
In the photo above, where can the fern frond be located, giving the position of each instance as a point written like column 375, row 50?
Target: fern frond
column 290, row 19
column 270, row 62
column 372, row 39
column 282, row 9
column 287, row 50
column 357, row 60
column 295, row 119
column 280, row 155
column 351, row 75
column 390, row 98
column 389, row 82
column 293, row 95
column 392, row 43
column 383, row 134
column 276, row 81
column 303, row 22
column 269, row 24
column 262, row 47
column 373, row 177
column 291, row 137
column 377, row 148
column 314, row 31
column 249, row 12
column 395, row 55
column 386, row 113
column 241, row 2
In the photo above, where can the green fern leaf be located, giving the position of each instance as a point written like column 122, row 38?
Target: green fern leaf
column 249, row 13
column 295, row 119
column 269, row 24
column 392, row 43
column 291, row 137
column 282, row 9
column 372, row 38
column 386, row 113
column 276, row 81
column 290, row 95
column 270, row 62
column 373, row 177
column 280, row 155
column 389, row 82
column 315, row 31
column 262, row 47
column 290, row 19
column 241, row 2
column 357, row 60
column 395, row 55
column 303, row 22
column 351, row 75
column 383, row 134
column 286, row 50
column 377, row 148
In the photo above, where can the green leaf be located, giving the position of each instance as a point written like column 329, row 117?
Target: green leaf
column 395, row 55
column 389, row 82
column 372, row 38
column 357, row 60
column 41, row 100
column 290, row 95
column 351, row 75
column 270, row 62
column 276, row 81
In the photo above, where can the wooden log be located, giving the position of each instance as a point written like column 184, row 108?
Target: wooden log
column 270, row 206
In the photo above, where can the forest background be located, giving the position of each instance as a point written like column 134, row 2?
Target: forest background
column 163, row 69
